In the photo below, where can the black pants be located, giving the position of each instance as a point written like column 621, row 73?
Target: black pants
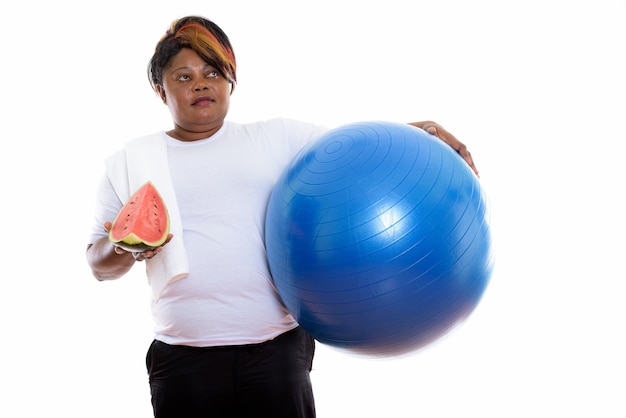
column 270, row 379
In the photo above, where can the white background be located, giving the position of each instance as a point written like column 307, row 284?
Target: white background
column 536, row 89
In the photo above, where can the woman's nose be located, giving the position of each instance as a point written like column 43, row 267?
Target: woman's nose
column 201, row 85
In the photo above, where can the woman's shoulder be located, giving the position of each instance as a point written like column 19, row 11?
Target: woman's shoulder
column 277, row 124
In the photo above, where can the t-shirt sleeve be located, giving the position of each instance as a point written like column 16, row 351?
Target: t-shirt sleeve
column 107, row 206
column 300, row 133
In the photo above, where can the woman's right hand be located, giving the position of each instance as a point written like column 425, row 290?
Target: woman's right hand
column 138, row 255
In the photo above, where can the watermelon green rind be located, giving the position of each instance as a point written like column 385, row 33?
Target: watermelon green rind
column 143, row 222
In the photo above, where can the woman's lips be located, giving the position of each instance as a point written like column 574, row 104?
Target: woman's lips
column 202, row 101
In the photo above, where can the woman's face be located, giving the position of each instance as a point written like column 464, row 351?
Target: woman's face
column 197, row 95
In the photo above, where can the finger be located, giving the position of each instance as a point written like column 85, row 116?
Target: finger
column 146, row 255
column 467, row 156
column 139, row 256
column 457, row 145
column 431, row 130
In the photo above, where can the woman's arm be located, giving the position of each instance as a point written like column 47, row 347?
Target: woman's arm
column 107, row 261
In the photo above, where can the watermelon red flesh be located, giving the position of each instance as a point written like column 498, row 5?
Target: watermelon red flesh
column 143, row 222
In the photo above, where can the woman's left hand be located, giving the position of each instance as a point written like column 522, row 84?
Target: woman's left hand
column 434, row 128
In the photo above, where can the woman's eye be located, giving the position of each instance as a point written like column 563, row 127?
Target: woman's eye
column 213, row 74
column 183, row 77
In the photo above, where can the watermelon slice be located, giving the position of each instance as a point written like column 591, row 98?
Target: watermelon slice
column 143, row 223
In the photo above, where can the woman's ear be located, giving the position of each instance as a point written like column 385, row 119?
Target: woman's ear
column 161, row 92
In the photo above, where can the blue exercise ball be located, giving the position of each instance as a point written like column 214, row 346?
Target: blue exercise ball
column 378, row 238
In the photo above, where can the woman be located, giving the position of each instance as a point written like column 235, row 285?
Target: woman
column 224, row 343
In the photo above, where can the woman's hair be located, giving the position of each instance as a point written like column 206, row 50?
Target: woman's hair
column 201, row 35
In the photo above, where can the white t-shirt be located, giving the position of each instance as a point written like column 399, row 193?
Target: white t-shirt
column 222, row 187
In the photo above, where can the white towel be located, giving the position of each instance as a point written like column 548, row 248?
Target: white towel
column 145, row 159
